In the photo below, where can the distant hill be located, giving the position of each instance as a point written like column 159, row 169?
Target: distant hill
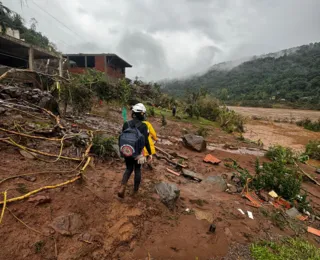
column 288, row 78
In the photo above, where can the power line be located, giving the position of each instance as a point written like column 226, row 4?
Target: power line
column 56, row 19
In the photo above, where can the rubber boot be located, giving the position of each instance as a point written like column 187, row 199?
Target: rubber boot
column 122, row 191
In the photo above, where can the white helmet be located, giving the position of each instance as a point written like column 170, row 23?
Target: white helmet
column 139, row 108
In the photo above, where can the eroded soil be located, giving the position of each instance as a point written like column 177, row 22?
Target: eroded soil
column 137, row 227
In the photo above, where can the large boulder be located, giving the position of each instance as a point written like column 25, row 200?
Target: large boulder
column 195, row 142
column 192, row 175
column 216, row 183
column 67, row 225
column 169, row 194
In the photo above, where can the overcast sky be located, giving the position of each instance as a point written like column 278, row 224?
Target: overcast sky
column 171, row 38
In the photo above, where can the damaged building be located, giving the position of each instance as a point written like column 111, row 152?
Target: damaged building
column 111, row 64
column 16, row 53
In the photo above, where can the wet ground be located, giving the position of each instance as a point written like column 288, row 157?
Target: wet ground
column 277, row 114
column 285, row 132
column 139, row 227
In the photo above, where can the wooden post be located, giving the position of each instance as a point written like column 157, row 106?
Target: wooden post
column 31, row 59
column 60, row 67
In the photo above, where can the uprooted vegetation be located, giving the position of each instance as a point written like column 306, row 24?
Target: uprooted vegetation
column 282, row 174
column 310, row 125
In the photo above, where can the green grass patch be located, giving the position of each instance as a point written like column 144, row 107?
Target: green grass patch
column 286, row 249
column 181, row 117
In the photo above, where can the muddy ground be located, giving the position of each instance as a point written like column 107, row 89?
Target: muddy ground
column 98, row 225
column 278, row 126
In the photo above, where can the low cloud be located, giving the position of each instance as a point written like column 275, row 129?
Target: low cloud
column 164, row 39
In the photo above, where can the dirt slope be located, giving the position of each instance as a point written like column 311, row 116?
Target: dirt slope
column 98, row 225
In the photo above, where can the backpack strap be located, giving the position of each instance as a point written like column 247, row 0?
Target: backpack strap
column 132, row 123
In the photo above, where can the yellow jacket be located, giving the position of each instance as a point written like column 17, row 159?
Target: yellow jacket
column 152, row 136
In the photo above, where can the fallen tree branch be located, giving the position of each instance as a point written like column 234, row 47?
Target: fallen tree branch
column 164, row 152
column 79, row 176
column 4, row 205
column 11, row 142
column 308, row 175
column 35, row 173
column 23, row 223
column 41, row 189
column 172, row 162
column 30, row 136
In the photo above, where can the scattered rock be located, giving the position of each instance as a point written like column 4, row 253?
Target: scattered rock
column 192, row 175
column 236, row 180
column 218, row 183
column 169, row 194
column 230, row 147
column 29, row 178
column 27, row 155
column 39, row 199
column 212, row 228
column 318, row 171
column 68, row 224
column 231, row 188
column 195, row 142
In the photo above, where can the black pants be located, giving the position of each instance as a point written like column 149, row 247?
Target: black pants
column 132, row 164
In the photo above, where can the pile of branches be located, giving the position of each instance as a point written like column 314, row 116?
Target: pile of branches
column 24, row 123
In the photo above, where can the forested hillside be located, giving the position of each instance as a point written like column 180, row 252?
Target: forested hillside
column 291, row 80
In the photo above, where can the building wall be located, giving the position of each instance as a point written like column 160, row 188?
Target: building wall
column 100, row 66
column 99, row 63
column 114, row 72
column 77, row 70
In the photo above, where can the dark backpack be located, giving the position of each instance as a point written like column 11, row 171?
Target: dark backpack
column 131, row 141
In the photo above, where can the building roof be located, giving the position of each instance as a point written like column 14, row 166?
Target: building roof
column 19, row 49
column 118, row 60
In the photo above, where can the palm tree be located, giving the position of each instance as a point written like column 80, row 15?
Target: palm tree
column 5, row 13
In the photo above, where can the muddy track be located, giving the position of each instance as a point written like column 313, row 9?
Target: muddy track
column 101, row 226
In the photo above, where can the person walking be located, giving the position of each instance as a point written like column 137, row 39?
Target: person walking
column 174, row 110
column 134, row 137
column 152, row 138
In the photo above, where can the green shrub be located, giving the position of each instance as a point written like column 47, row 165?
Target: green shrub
column 231, row 121
column 286, row 249
column 313, row 149
column 286, row 182
column 103, row 146
column 209, row 108
column 202, row 131
column 280, row 154
column 151, row 111
column 310, row 125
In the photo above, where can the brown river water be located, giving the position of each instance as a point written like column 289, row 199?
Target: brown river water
column 272, row 133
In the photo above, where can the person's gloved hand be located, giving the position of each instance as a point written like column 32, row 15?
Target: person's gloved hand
column 141, row 159
column 149, row 158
